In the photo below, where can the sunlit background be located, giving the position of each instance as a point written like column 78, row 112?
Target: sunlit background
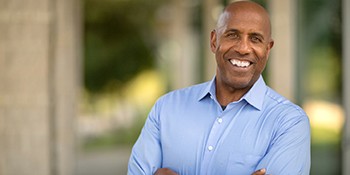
column 134, row 51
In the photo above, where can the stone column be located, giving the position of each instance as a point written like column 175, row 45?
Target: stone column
column 211, row 11
column 183, row 44
column 39, row 77
column 283, row 58
column 346, row 86
column 178, row 44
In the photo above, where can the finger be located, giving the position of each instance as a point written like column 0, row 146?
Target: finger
column 260, row 172
column 165, row 171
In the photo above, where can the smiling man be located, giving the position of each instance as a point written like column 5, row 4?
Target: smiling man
column 233, row 124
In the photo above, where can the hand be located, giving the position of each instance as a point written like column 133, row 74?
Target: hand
column 167, row 171
column 260, row 172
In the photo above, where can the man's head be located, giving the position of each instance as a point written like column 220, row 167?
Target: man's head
column 241, row 43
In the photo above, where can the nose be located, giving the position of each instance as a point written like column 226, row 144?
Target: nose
column 243, row 47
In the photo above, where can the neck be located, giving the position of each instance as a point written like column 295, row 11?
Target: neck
column 226, row 95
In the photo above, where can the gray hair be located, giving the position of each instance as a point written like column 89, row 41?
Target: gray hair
column 221, row 22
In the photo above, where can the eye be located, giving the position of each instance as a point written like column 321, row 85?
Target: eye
column 232, row 35
column 256, row 39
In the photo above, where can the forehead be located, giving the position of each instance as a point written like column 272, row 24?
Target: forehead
column 245, row 16
column 247, row 21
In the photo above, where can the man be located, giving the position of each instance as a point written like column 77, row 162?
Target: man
column 233, row 124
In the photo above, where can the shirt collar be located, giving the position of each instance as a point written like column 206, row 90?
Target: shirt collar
column 255, row 96
column 208, row 90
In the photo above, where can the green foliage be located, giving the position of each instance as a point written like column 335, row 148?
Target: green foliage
column 325, row 151
column 119, row 41
column 319, row 69
column 319, row 49
column 261, row 2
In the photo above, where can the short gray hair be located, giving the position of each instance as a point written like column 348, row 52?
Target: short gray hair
column 222, row 21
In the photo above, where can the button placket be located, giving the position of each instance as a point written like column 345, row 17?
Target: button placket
column 219, row 126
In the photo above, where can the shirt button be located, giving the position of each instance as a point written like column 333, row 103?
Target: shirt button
column 219, row 120
column 210, row 148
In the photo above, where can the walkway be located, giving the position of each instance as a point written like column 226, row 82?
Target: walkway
column 105, row 162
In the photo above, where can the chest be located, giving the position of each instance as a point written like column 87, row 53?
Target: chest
column 212, row 141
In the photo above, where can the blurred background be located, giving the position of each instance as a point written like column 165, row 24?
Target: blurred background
column 78, row 77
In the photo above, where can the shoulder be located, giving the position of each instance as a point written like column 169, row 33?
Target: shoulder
column 287, row 117
column 191, row 92
column 282, row 108
column 173, row 101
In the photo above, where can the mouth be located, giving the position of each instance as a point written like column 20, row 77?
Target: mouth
column 240, row 63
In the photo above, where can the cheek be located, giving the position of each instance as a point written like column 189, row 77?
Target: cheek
column 220, row 52
column 223, row 48
column 262, row 56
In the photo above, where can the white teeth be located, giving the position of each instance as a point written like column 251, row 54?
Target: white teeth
column 240, row 63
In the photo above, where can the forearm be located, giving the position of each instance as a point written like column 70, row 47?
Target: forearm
column 167, row 171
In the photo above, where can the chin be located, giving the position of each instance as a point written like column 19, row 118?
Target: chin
column 240, row 83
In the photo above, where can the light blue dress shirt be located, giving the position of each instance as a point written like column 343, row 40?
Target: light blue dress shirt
column 188, row 132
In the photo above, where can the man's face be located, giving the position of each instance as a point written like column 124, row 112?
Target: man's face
column 241, row 46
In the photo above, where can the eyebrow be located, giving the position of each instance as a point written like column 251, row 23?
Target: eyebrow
column 251, row 34
column 232, row 30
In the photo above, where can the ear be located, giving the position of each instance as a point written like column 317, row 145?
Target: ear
column 269, row 46
column 213, row 41
column 271, row 43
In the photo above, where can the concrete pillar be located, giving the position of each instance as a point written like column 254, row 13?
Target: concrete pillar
column 183, row 42
column 283, row 58
column 39, row 65
column 346, row 86
column 211, row 11
column 178, row 44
